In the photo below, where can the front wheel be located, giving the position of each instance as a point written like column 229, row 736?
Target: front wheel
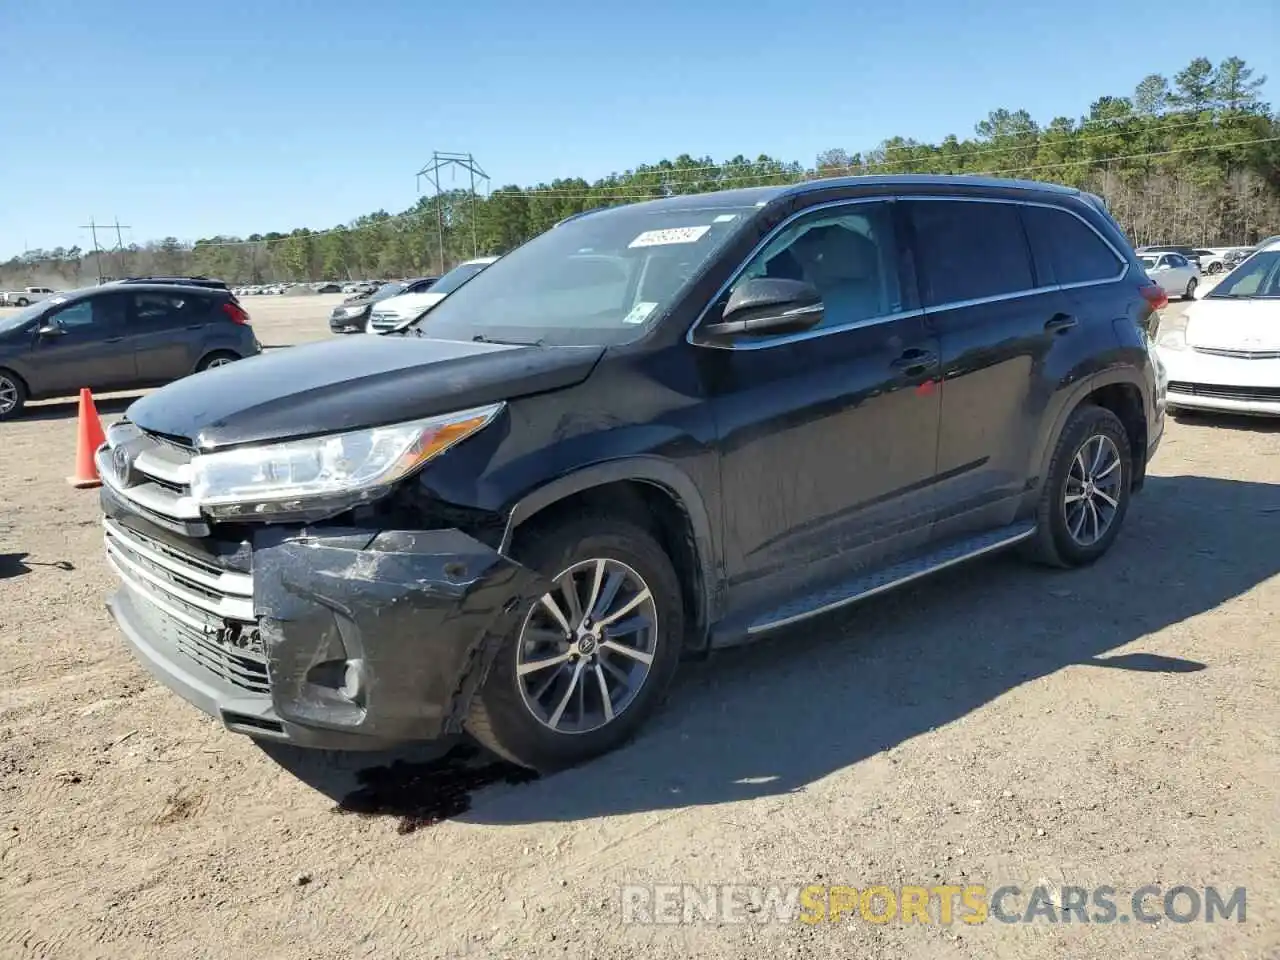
column 13, row 395
column 593, row 657
column 1086, row 493
column 1191, row 289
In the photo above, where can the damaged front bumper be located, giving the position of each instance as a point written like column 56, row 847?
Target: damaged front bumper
column 336, row 638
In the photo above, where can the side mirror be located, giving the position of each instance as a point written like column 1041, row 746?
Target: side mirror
column 763, row 306
column 51, row 328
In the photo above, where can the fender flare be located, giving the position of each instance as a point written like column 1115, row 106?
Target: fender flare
column 652, row 470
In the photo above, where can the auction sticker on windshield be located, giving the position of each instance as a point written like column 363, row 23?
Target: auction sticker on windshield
column 639, row 313
column 658, row 238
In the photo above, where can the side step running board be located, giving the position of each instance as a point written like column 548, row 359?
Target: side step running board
column 868, row 585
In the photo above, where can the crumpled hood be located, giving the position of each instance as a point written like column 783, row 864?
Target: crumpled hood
column 349, row 383
column 1252, row 325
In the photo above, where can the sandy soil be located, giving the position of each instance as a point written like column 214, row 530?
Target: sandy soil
column 995, row 724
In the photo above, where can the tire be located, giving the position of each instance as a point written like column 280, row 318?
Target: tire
column 500, row 714
column 13, row 395
column 217, row 359
column 1214, row 268
column 1054, row 543
column 1191, row 289
column 23, row 302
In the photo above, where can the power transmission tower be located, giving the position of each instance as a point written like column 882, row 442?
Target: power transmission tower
column 455, row 161
column 92, row 227
column 97, row 250
column 120, row 246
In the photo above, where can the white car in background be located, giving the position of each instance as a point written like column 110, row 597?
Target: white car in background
column 396, row 312
column 1223, row 353
column 1177, row 276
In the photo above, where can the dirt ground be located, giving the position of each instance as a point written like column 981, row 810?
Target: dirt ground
column 995, row 724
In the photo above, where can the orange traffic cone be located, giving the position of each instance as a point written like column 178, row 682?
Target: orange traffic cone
column 89, row 438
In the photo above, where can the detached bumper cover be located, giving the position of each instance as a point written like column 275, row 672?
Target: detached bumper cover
column 414, row 617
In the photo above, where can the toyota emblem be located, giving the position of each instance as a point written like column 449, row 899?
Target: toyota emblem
column 120, row 461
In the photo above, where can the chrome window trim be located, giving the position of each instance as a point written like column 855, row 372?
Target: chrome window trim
column 789, row 338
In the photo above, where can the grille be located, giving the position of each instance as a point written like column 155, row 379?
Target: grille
column 385, row 321
column 1240, row 354
column 1219, row 392
column 207, row 612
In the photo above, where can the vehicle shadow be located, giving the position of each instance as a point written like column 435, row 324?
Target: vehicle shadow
column 774, row 717
column 70, row 409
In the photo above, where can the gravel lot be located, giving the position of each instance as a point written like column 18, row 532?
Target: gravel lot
column 994, row 724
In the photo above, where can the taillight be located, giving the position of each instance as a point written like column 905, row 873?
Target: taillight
column 237, row 314
column 1154, row 295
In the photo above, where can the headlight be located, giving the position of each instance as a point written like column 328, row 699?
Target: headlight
column 1172, row 333
column 354, row 310
column 340, row 469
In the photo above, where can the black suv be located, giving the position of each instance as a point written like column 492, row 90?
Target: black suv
column 125, row 335
column 652, row 431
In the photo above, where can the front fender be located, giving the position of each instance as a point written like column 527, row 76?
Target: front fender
column 653, row 470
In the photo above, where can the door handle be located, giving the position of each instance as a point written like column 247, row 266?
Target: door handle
column 196, row 326
column 1060, row 323
column 914, row 361
column 113, row 339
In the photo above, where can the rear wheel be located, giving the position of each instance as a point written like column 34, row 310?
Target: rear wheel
column 23, row 301
column 1214, row 268
column 1086, row 493
column 13, row 395
column 593, row 657
column 220, row 359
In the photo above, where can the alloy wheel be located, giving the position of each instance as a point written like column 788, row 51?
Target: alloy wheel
column 1093, row 490
column 8, row 395
column 587, row 646
column 217, row 362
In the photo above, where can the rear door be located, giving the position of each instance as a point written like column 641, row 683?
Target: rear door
column 997, row 319
column 166, row 329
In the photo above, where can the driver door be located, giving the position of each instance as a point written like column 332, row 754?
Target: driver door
column 828, row 438
column 91, row 347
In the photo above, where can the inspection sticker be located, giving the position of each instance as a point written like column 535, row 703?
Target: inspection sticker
column 658, row 238
column 639, row 313
column 725, row 218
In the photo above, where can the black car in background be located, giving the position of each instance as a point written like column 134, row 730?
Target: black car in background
column 124, row 335
column 352, row 315
column 652, row 431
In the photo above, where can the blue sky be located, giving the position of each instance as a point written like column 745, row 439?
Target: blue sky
column 255, row 115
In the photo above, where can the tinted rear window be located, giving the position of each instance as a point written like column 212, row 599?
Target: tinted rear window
column 967, row 250
column 1073, row 252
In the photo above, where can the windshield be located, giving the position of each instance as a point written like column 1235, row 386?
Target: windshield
column 14, row 320
column 456, row 277
column 597, row 279
column 1259, row 276
column 387, row 290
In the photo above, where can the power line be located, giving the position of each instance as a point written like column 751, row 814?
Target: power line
column 602, row 192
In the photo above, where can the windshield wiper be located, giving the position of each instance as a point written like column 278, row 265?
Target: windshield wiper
column 481, row 338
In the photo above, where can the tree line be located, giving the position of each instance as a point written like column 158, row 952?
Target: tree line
column 1192, row 159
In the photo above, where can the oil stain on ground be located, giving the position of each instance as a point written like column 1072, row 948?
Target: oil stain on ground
column 422, row 794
